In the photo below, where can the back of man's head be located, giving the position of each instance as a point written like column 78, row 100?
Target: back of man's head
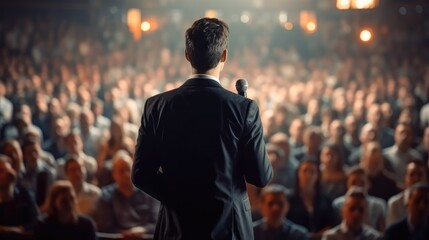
column 206, row 40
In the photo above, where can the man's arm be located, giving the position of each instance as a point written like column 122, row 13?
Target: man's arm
column 257, row 168
column 145, row 175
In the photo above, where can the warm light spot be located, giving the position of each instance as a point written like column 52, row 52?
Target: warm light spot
column 288, row 26
column 365, row 35
column 145, row 26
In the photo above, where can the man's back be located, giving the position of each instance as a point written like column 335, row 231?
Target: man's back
column 205, row 141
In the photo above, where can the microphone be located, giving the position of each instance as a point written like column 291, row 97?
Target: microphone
column 241, row 86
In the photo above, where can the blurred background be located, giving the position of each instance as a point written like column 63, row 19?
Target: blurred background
column 75, row 74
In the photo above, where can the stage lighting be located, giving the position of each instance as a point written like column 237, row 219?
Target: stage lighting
column 282, row 17
column 308, row 21
column 288, row 26
column 210, row 13
column 245, row 17
column 145, row 26
column 365, row 35
column 343, row 4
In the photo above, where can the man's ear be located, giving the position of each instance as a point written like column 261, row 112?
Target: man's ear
column 187, row 55
column 224, row 56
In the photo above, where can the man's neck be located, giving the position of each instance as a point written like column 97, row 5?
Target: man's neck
column 215, row 72
column 274, row 224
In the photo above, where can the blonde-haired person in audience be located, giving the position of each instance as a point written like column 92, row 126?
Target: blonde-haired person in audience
column 62, row 220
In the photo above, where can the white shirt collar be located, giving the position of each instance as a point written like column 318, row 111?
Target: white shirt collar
column 206, row 76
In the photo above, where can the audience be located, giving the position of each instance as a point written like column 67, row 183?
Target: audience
column 375, row 218
column 18, row 209
column 415, row 224
column 415, row 172
column 333, row 177
column 274, row 225
column 62, row 220
column 87, row 195
column 122, row 208
column 72, row 90
column 309, row 207
column 354, row 212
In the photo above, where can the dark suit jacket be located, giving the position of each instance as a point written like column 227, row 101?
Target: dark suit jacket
column 197, row 146
column 401, row 231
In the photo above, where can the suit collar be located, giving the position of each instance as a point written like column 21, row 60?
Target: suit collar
column 201, row 82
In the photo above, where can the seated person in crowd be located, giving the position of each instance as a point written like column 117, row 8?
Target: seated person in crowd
column 62, row 220
column 274, row 225
column 87, row 195
column 74, row 146
column 312, row 139
column 309, row 207
column 32, row 133
column 18, row 210
column 333, row 177
column 122, row 208
column 401, row 152
column 90, row 134
column 382, row 183
column 354, row 212
column 376, row 206
column 38, row 175
column 416, row 224
column 12, row 149
column 415, row 172
column 288, row 164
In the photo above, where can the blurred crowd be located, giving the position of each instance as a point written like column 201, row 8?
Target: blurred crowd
column 347, row 131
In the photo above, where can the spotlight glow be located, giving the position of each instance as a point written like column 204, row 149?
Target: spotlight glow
column 365, row 35
column 145, row 26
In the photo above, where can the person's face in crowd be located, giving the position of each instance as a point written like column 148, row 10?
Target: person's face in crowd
column 425, row 139
column 312, row 140
column 414, row 173
column 55, row 107
column 329, row 158
column 122, row 173
column 26, row 113
column 340, row 103
column 350, row 124
column 65, row 202
column 74, row 144
column 13, row 150
column 368, row 133
column 307, row 175
column 116, row 131
column 374, row 114
column 86, row 121
column 62, row 126
column 274, row 158
column 386, row 111
column 403, row 135
column 373, row 158
column 354, row 212
column 313, row 107
column 75, row 172
column 358, row 180
column 31, row 152
column 7, row 175
column 268, row 121
column 358, row 108
column 282, row 143
column 418, row 205
column 41, row 103
column 336, row 130
column 275, row 207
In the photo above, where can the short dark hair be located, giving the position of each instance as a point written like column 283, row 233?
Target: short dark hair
column 206, row 40
column 275, row 189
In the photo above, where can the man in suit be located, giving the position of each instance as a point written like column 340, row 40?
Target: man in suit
column 416, row 225
column 198, row 145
